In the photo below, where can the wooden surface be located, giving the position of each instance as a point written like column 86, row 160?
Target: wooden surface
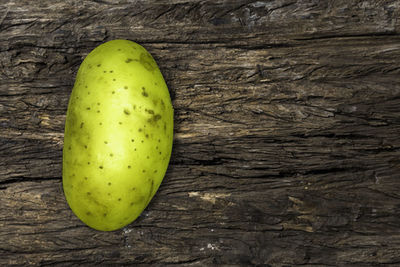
column 286, row 148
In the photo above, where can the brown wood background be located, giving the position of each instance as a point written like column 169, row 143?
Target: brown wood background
column 286, row 148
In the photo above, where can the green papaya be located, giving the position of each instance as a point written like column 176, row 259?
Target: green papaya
column 118, row 135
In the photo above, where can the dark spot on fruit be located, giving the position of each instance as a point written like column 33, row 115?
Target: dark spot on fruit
column 98, row 103
column 86, row 178
column 111, row 71
column 88, row 213
column 134, row 106
column 98, row 111
column 81, row 125
column 119, row 123
column 131, row 203
column 119, row 49
column 159, row 152
column 111, row 154
column 154, row 118
column 125, row 87
column 69, row 148
column 104, row 71
column 165, row 126
column 157, row 147
column 105, row 142
column 113, row 92
column 101, row 167
column 88, row 93
column 148, row 157
column 88, row 193
column 143, row 171
column 108, row 194
column 140, row 129
column 119, row 199
column 159, row 140
column 147, row 136
column 132, row 140
column 88, row 163
column 88, row 108
column 109, row 184
column 133, row 188
column 155, row 171
column 129, row 166
column 98, row 65
column 162, row 105
column 85, row 146
column 142, row 141
column 85, row 86
column 128, row 60
column 147, row 61
column 135, row 149
column 100, row 123
column 144, row 93
column 150, row 111
column 104, row 214
column 114, row 80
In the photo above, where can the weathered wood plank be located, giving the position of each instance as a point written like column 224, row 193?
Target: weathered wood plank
column 287, row 121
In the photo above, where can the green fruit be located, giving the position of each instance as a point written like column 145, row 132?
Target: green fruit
column 118, row 135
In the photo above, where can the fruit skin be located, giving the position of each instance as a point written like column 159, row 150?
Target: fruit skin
column 118, row 135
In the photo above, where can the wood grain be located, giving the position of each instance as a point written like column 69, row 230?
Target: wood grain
column 287, row 121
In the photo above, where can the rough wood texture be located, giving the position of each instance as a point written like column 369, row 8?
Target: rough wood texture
column 286, row 149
